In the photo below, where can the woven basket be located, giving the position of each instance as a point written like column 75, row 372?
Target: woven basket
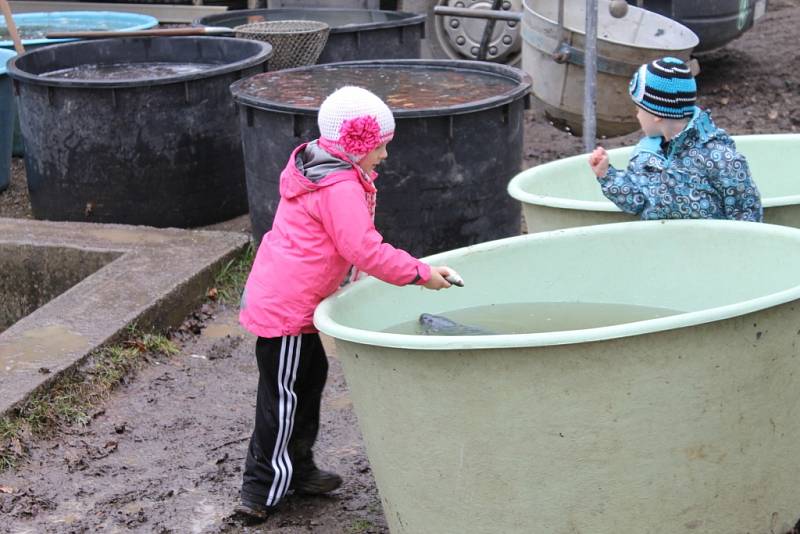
column 295, row 43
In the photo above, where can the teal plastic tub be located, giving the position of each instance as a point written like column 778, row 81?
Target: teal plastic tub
column 683, row 423
column 33, row 27
column 565, row 193
column 6, row 119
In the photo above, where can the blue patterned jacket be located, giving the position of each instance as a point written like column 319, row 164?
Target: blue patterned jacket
column 699, row 175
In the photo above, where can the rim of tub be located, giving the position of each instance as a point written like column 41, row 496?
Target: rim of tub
column 516, row 189
column 19, row 74
column 151, row 22
column 326, row 324
column 522, row 89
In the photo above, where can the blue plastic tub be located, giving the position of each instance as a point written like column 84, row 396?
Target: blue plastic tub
column 6, row 119
column 33, row 27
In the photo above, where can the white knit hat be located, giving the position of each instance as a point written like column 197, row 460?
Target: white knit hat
column 355, row 121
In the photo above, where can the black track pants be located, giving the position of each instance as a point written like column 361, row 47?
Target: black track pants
column 291, row 376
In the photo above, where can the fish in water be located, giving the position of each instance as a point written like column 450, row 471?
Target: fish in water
column 438, row 325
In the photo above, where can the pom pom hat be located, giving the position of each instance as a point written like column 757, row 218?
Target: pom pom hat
column 354, row 121
column 665, row 88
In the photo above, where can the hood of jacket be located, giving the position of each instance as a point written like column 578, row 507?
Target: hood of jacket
column 701, row 129
column 698, row 131
column 310, row 167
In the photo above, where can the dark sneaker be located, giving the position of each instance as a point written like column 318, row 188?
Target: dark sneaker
column 315, row 482
column 253, row 511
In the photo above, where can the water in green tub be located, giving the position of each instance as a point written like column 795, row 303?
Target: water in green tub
column 527, row 318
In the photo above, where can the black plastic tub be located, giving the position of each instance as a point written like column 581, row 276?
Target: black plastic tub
column 458, row 140
column 716, row 22
column 356, row 34
column 157, row 144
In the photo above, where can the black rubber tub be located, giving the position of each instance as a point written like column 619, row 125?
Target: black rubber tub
column 135, row 131
column 356, row 34
column 716, row 22
column 457, row 142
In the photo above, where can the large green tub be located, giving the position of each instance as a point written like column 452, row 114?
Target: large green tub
column 565, row 193
column 688, row 423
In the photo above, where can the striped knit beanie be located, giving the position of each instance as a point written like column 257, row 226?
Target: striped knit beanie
column 665, row 87
column 354, row 121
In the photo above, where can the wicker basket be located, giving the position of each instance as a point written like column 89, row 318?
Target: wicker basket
column 295, row 43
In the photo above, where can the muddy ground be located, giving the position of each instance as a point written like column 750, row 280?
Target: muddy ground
column 164, row 453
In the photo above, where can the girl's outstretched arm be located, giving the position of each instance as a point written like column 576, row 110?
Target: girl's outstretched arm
column 345, row 217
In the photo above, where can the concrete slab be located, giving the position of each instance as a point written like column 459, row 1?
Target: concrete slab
column 147, row 276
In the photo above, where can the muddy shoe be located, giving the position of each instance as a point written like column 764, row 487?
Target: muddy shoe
column 315, row 482
column 253, row 512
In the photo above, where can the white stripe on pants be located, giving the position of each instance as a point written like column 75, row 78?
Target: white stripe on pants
column 287, row 404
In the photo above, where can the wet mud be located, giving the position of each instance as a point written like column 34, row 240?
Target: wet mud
column 165, row 452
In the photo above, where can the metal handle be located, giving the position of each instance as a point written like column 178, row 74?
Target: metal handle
column 445, row 11
column 488, row 30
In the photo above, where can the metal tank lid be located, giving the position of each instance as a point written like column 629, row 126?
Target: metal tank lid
column 341, row 20
column 410, row 87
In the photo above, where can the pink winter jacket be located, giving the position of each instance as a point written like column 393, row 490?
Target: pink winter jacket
column 320, row 229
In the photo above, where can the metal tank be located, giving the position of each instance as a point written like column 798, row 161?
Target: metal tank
column 716, row 22
column 553, row 54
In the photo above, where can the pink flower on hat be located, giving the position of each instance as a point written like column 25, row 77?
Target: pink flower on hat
column 360, row 135
column 354, row 121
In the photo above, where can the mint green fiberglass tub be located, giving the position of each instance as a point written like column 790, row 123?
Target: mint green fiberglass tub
column 686, row 423
column 565, row 193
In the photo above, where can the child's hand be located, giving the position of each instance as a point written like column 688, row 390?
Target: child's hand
column 437, row 280
column 598, row 161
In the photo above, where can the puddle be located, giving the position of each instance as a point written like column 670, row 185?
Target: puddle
column 343, row 402
column 222, row 330
column 205, row 516
column 38, row 347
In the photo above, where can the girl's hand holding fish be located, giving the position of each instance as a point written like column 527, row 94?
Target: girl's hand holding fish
column 443, row 277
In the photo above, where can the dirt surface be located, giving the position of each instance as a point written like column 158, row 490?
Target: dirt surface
column 165, row 453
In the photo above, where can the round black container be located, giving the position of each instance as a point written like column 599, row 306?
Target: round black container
column 716, row 22
column 150, row 148
column 356, row 34
column 458, row 140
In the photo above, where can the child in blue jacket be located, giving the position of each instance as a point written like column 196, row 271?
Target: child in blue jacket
column 685, row 167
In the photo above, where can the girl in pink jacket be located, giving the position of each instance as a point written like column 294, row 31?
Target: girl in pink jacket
column 322, row 234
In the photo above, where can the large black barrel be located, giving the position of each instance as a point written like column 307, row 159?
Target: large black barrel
column 716, row 22
column 135, row 131
column 457, row 142
column 356, row 34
